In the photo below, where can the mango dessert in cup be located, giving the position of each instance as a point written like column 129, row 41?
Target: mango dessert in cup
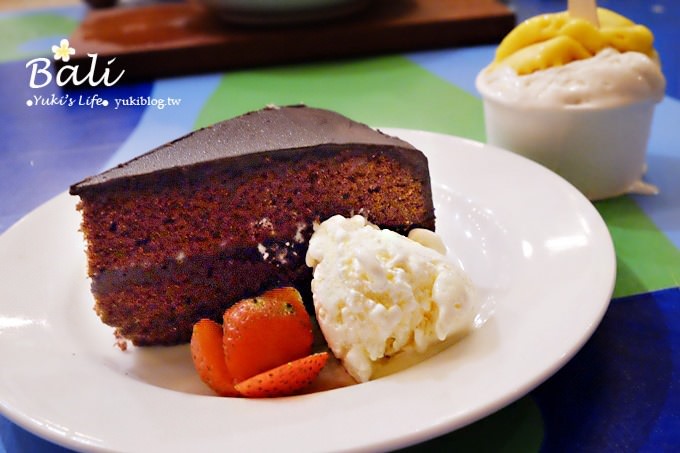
column 576, row 96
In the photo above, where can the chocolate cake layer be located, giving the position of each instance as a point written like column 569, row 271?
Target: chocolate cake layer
column 186, row 230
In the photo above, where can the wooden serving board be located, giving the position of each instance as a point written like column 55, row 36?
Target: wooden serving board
column 163, row 40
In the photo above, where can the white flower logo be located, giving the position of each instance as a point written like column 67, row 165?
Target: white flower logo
column 63, row 51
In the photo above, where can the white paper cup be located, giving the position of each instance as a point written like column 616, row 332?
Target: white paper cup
column 601, row 151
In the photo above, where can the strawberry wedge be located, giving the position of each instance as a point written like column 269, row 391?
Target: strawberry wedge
column 284, row 380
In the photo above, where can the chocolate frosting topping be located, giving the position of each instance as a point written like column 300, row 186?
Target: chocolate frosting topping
column 266, row 130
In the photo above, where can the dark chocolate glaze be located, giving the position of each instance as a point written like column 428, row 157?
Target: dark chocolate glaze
column 267, row 130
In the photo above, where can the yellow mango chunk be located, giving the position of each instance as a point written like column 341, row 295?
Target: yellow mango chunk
column 637, row 38
column 609, row 18
column 531, row 31
column 586, row 34
column 556, row 39
column 557, row 51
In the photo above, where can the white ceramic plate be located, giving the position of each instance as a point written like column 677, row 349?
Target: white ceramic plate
column 536, row 248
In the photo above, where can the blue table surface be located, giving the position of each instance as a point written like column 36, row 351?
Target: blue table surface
column 642, row 414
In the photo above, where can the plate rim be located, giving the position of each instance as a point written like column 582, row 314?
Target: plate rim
column 27, row 422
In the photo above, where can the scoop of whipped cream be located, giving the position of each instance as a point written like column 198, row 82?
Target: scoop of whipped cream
column 377, row 293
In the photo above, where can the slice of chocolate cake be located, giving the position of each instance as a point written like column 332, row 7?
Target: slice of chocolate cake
column 184, row 231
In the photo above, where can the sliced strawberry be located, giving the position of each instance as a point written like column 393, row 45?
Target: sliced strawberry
column 266, row 331
column 283, row 380
column 208, row 356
